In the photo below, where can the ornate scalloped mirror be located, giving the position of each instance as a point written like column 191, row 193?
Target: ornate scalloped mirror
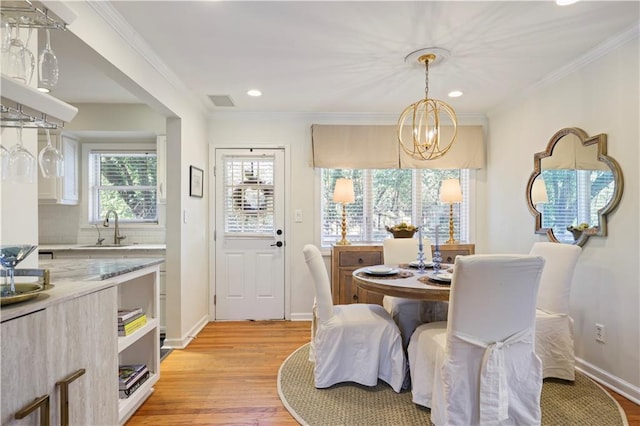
column 573, row 187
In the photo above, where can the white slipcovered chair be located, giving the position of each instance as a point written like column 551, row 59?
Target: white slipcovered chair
column 480, row 366
column 554, row 326
column 351, row 343
column 409, row 313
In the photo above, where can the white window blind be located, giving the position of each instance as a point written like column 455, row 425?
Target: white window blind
column 123, row 181
column 389, row 196
column 248, row 196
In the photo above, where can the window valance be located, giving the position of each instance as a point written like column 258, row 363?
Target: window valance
column 377, row 147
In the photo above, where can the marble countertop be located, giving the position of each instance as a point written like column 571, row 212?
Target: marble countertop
column 72, row 278
column 128, row 247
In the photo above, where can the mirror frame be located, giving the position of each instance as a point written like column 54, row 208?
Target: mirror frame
column 601, row 141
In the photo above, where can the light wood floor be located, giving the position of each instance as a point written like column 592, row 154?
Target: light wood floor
column 228, row 374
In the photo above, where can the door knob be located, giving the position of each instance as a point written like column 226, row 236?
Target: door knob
column 277, row 244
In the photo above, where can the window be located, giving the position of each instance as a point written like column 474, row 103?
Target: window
column 123, row 181
column 575, row 197
column 390, row 196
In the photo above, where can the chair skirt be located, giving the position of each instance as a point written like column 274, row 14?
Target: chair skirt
column 554, row 345
column 360, row 344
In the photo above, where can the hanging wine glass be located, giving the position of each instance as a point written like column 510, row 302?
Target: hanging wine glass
column 4, row 163
column 21, row 162
column 6, row 36
column 51, row 160
column 48, row 66
column 29, row 59
column 14, row 61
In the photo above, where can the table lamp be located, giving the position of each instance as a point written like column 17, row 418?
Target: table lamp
column 450, row 192
column 539, row 192
column 343, row 193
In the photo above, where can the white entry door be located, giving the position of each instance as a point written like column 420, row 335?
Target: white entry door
column 250, row 234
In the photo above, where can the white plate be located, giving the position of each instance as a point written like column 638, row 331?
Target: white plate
column 441, row 276
column 373, row 270
column 414, row 264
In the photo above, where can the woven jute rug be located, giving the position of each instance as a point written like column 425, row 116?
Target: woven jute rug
column 581, row 403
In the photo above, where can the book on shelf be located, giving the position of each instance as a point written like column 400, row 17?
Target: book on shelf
column 129, row 328
column 140, row 379
column 126, row 315
column 127, row 374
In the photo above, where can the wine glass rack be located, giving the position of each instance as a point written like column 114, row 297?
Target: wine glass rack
column 27, row 14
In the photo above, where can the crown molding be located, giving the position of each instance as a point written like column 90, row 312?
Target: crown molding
column 594, row 54
column 113, row 18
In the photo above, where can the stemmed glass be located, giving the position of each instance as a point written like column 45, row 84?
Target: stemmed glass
column 51, row 160
column 4, row 163
column 21, row 162
column 14, row 61
column 47, row 66
column 10, row 256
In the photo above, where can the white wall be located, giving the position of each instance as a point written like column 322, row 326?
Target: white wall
column 187, row 250
column 601, row 97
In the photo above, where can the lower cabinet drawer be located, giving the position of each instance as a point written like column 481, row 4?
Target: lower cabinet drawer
column 362, row 258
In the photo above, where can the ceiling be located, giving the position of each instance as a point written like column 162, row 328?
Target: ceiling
column 349, row 57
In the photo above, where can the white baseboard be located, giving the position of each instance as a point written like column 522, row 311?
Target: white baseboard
column 614, row 383
column 304, row 316
column 184, row 341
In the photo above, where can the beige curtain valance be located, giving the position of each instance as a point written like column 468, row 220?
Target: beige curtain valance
column 570, row 153
column 377, row 147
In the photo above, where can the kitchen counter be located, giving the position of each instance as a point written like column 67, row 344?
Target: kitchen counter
column 127, row 247
column 76, row 277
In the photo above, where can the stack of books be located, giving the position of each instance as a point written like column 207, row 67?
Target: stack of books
column 129, row 320
column 130, row 378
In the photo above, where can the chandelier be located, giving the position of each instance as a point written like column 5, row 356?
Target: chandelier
column 419, row 124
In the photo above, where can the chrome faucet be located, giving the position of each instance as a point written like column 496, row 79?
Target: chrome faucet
column 116, row 235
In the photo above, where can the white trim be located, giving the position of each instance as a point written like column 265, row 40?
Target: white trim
column 302, row 316
column 186, row 338
column 130, row 36
column 605, row 378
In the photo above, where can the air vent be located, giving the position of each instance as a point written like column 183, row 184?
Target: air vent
column 222, row 100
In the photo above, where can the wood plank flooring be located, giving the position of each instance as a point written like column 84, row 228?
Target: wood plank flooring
column 228, row 374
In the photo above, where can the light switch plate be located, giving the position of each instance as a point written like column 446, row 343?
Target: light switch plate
column 298, row 215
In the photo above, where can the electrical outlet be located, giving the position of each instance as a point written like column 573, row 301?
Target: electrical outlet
column 600, row 333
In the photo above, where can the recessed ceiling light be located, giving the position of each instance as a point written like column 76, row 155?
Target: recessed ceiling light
column 455, row 94
column 254, row 92
column 566, row 2
column 43, row 90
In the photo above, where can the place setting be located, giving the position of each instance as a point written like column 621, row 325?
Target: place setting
column 385, row 272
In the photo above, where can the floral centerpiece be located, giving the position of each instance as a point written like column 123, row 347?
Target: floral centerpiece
column 579, row 229
column 402, row 230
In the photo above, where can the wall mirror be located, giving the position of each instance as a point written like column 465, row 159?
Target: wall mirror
column 573, row 187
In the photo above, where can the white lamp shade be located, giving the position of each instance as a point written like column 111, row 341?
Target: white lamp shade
column 450, row 191
column 539, row 192
column 343, row 192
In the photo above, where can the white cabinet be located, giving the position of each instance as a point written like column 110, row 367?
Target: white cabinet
column 66, row 189
column 68, row 348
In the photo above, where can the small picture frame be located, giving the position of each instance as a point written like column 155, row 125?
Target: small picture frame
column 196, row 177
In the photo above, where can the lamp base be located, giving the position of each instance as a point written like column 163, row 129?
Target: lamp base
column 343, row 243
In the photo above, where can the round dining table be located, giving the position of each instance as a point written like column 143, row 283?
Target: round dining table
column 407, row 282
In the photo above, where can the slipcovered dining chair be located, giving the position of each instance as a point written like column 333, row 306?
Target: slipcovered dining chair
column 480, row 366
column 554, row 326
column 351, row 343
column 409, row 313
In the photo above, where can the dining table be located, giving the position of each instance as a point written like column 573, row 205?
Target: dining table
column 405, row 281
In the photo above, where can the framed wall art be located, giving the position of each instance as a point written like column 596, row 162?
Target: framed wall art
column 196, row 177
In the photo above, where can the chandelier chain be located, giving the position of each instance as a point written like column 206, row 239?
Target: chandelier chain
column 426, row 79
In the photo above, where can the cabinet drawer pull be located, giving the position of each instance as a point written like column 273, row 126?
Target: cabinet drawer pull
column 64, row 395
column 43, row 404
column 360, row 261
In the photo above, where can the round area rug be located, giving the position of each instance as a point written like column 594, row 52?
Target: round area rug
column 582, row 403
